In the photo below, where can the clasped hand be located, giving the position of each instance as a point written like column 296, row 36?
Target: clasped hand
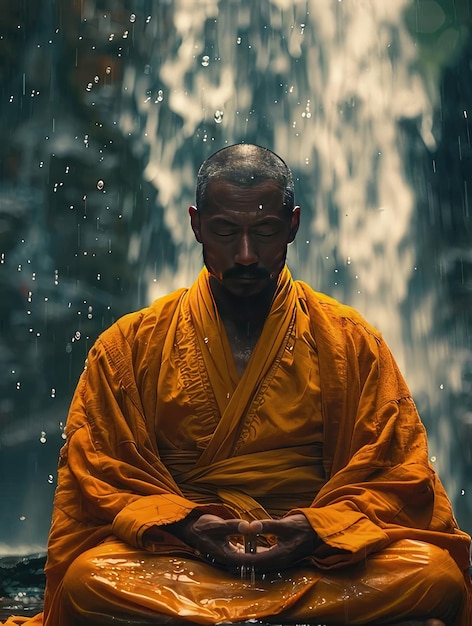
column 214, row 537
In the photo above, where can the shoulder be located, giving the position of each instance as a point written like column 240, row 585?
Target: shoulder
column 143, row 323
column 323, row 308
column 132, row 345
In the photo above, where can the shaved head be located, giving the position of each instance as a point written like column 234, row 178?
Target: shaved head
column 245, row 165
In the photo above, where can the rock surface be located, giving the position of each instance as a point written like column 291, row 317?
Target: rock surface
column 22, row 583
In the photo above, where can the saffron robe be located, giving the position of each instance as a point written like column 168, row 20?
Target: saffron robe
column 321, row 422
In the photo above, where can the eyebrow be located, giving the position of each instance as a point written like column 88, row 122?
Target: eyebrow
column 265, row 219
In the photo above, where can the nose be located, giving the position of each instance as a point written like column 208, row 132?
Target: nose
column 245, row 252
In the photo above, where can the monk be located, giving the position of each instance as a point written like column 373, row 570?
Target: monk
column 247, row 449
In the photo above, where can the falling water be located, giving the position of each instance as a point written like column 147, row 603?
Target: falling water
column 136, row 97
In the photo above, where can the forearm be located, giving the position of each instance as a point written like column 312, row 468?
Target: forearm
column 140, row 520
column 159, row 518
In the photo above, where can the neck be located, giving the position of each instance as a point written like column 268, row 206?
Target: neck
column 240, row 311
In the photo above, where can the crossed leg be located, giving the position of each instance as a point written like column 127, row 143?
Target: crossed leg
column 408, row 584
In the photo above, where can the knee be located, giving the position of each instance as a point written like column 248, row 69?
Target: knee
column 446, row 571
column 75, row 596
column 444, row 584
column 80, row 572
column 92, row 594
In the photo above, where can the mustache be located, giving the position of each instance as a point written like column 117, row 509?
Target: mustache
column 246, row 272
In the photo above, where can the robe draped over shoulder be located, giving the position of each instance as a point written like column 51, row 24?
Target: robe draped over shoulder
column 352, row 439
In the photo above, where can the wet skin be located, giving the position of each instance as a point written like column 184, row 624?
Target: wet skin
column 213, row 537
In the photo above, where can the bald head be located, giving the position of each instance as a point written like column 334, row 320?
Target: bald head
column 245, row 165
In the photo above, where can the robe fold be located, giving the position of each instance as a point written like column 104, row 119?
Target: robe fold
column 321, row 422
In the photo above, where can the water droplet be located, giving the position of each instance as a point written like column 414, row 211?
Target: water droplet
column 77, row 335
column 89, row 87
column 132, row 18
column 53, row 393
column 160, row 96
column 238, row 40
column 307, row 113
column 42, row 438
column 50, row 479
column 205, row 339
column 433, row 459
column 205, row 60
column 22, row 518
column 100, row 185
column 96, row 79
column 218, row 116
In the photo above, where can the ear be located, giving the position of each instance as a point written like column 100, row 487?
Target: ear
column 195, row 222
column 294, row 224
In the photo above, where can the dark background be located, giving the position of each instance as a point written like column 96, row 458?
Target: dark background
column 107, row 108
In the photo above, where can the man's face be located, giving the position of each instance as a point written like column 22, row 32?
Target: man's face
column 244, row 233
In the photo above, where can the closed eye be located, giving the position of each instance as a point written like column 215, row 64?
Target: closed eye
column 266, row 233
column 225, row 233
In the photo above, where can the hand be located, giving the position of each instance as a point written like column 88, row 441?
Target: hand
column 295, row 540
column 214, row 538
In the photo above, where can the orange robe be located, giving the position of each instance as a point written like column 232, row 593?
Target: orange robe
column 321, row 422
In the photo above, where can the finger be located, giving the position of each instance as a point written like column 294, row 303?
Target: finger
column 244, row 528
column 250, row 528
column 255, row 527
column 217, row 526
column 286, row 526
